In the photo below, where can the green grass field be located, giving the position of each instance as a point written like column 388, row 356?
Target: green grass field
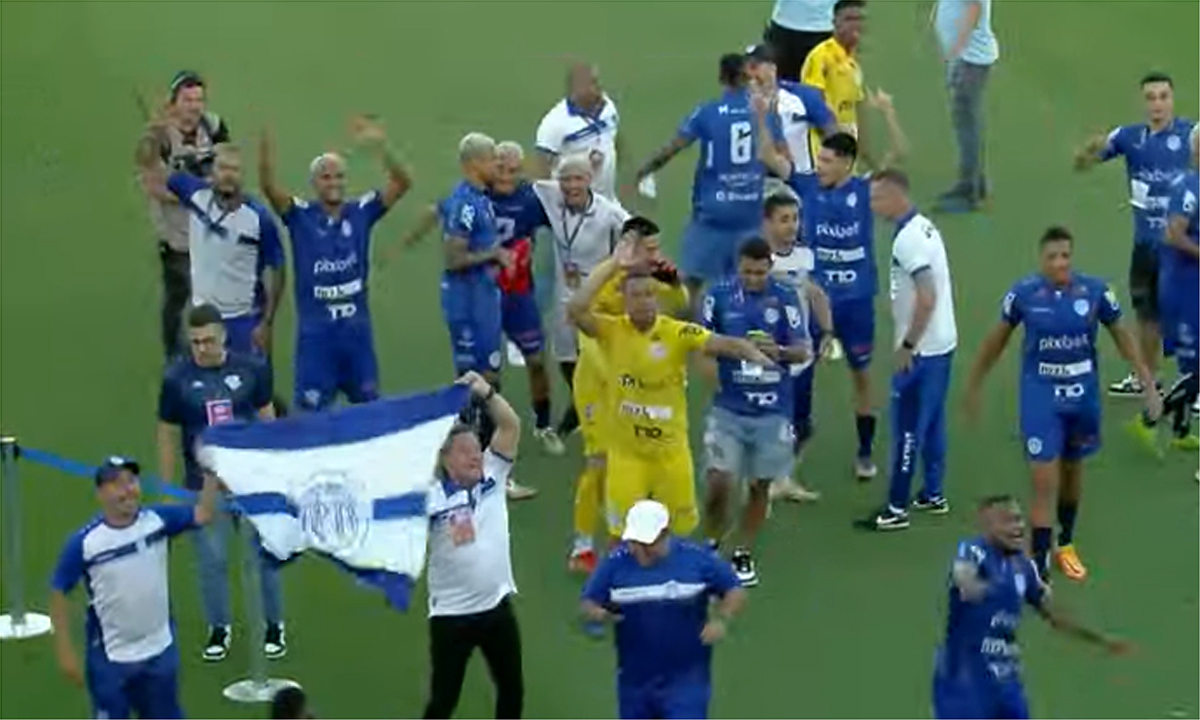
column 844, row 625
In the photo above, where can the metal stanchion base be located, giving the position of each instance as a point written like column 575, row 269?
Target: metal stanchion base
column 257, row 691
column 35, row 625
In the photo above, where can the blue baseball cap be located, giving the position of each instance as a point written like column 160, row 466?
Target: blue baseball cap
column 111, row 468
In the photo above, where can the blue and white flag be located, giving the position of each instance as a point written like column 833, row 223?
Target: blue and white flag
column 350, row 484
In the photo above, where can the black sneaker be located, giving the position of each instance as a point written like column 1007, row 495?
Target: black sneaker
column 891, row 518
column 934, row 505
column 743, row 567
column 217, row 647
column 275, row 641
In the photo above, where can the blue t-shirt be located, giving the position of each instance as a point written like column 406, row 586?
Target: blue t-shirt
column 727, row 190
column 981, row 636
column 467, row 214
column 663, row 608
column 729, row 309
column 837, row 223
column 518, row 215
column 331, row 257
column 1058, row 354
column 195, row 397
column 1153, row 160
column 1180, row 274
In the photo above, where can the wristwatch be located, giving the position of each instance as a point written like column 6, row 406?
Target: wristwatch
column 908, row 344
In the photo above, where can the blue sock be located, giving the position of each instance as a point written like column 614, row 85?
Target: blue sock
column 541, row 414
column 1042, row 537
column 1066, row 522
column 865, row 424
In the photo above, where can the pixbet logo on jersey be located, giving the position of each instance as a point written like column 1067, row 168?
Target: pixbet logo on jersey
column 326, row 265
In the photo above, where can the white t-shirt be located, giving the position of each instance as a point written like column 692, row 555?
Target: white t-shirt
column 470, row 560
column 567, row 131
column 792, row 269
column 918, row 246
column 582, row 240
column 797, row 129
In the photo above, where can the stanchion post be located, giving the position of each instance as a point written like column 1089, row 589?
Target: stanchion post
column 259, row 687
column 18, row 623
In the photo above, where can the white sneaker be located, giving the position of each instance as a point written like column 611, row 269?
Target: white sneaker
column 551, row 442
column 792, row 491
column 516, row 492
column 515, row 357
column 1126, row 387
column 1196, row 407
column 835, row 350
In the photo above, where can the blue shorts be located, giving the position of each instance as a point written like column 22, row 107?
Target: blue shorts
column 475, row 334
column 854, row 328
column 1052, row 433
column 522, row 322
column 679, row 698
column 1180, row 319
column 984, row 699
column 709, row 253
column 332, row 358
column 148, row 689
column 239, row 333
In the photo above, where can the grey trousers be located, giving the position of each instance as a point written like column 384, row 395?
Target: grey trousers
column 967, row 82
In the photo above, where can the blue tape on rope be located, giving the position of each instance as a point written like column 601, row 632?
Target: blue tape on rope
column 83, row 470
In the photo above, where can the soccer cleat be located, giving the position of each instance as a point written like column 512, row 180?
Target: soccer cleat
column 891, row 518
column 1189, row 443
column 216, row 648
column 743, row 567
column 835, row 350
column 516, row 492
column 1069, row 563
column 864, row 469
column 1129, row 386
column 1145, row 435
column 551, row 442
column 788, row 489
column 275, row 641
column 515, row 357
column 582, row 561
column 938, row 505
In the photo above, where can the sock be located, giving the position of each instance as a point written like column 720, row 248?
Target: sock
column 582, row 544
column 1066, row 522
column 865, row 424
column 541, row 414
column 589, row 497
column 569, row 422
column 1041, row 549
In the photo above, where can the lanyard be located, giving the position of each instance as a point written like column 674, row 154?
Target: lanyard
column 566, row 242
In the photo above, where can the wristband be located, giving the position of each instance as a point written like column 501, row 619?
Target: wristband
column 908, row 344
column 491, row 393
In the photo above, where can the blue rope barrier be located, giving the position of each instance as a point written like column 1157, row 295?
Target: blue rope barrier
column 83, row 470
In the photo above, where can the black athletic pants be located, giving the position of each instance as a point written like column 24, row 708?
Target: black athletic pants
column 177, row 291
column 791, row 48
column 452, row 641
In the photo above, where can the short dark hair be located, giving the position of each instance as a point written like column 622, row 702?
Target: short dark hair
column 1056, row 233
column 842, row 144
column 778, row 201
column 755, row 249
column 643, row 226
column 992, row 501
column 841, row 5
column 637, row 272
column 184, row 79
column 1157, row 77
column 732, row 69
column 288, row 703
column 203, row 315
column 891, row 175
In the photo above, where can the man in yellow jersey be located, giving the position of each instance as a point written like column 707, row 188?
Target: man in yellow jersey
column 832, row 66
column 589, row 387
column 645, row 370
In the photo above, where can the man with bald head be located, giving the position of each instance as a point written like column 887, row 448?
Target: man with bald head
column 331, row 251
column 582, row 123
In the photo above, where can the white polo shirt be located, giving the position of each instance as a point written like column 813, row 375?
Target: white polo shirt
column 804, row 15
column 793, row 269
column 582, row 240
column 566, row 130
column 470, row 562
column 918, row 246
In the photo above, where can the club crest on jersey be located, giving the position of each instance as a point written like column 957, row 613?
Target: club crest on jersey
column 1034, row 445
column 771, row 316
column 1173, row 143
column 233, row 382
column 1082, row 307
column 346, row 229
column 658, row 351
column 851, row 200
column 1019, row 581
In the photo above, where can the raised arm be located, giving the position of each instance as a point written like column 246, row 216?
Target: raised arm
column 426, row 222
column 370, row 132
column 149, row 160
column 1097, row 149
column 897, row 141
column 507, row 422
column 279, row 198
column 579, row 307
column 778, row 163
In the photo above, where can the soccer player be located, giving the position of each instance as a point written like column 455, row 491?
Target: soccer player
column 832, row 67
column 646, row 357
column 839, row 226
column 792, row 264
column 331, row 254
column 1155, row 155
column 803, row 114
column 748, row 435
column 659, row 590
column 583, row 123
column 590, row 388
column 925, row 339
column 1060, row 388
column 131, row 661
column 978, row 667
column 727, row 189
column 209, row 386
column 183, row 141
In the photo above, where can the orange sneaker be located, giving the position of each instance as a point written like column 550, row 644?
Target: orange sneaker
column 582, row 562
column 1069, row 563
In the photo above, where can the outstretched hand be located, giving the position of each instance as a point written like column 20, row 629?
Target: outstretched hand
column 367, row 130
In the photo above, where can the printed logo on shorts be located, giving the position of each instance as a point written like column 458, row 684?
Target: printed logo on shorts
column 219, row 411
column 1034, row 445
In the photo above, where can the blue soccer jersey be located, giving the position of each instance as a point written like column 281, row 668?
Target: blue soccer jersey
column 730, row 309
column 471, row 297
column 978, row 671
column 519, row 215
column 838, row 225
column 194, row 397
column 1060, row 386
column 1179, row 284
column 1153, row 160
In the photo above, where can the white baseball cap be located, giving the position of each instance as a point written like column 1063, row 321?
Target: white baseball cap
column 645, row 522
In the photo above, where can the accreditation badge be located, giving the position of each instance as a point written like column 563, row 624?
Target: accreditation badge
column 572, row 275
column 462, row 526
